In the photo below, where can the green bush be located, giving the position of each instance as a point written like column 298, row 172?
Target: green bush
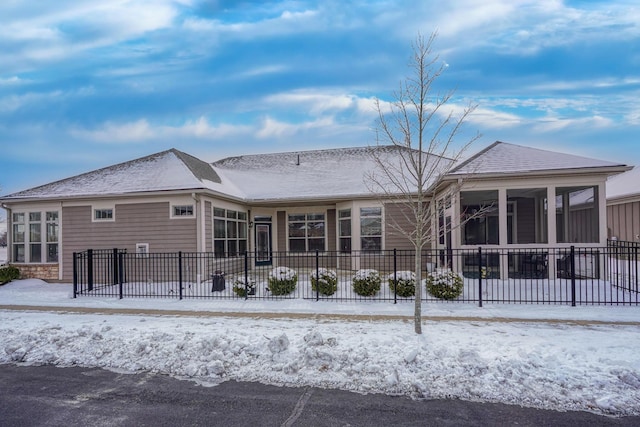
column 8, row 274
column 282, row 280
column 404, row 284
column 324, row 281
column 445, row 284
column 241, row 289
column 366, row 282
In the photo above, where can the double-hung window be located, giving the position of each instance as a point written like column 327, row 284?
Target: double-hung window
column 371, row 229
column 344, row 230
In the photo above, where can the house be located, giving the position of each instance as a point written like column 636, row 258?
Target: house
column 623, row 206
column 303, row 201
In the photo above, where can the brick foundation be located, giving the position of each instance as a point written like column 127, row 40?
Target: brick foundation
column 38, row 271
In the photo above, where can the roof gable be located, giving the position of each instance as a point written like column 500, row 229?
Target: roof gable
column 504, row 158
column 167, row 170
column 624, row 185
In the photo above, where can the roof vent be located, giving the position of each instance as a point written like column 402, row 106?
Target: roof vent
column 298, row 161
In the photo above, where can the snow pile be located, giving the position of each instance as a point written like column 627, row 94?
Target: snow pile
column 554, row 365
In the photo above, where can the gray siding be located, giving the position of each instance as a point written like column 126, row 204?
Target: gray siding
column 623, row 221
column 394, row 239
column 331, row 230
column 208, row 225
column 134, row 223
column 281, row 218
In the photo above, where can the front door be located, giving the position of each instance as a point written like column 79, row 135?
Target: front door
column 263, row 243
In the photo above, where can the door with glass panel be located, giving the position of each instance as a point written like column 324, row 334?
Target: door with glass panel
column 263, row 240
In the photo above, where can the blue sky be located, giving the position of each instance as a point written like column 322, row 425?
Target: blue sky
column 86, row 84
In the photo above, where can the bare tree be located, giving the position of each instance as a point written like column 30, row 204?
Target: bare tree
column 423, row 134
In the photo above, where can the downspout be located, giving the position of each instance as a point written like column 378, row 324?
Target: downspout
column 199, row 227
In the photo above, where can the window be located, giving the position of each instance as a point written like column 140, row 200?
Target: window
column 577, row 215
column 306, row 232
column 229, row 233
column 480, row 225
column 183, row 210
column 371, row 229
column 344, row 230
column 30, row 243
column 103, row 214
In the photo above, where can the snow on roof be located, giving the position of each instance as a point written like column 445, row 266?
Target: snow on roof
column 167, row 170
column 505, row 158
column 625, row 184
column 304, row 174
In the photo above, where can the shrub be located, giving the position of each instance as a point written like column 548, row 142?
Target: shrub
column 366, row 282
column 241, row 290
column 404, row 284
column 324, row 281
column 445, row 284
column 282, row 280
column 8, row 274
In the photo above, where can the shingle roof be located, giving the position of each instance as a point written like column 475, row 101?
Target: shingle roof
column 505, row 158
column 167, row 170
column 624, row 185
column 330, row 173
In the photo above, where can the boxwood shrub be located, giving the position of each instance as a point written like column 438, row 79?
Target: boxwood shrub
column 8, row 273
column 241, row 290
column 403, row 283
column 324, row 281
column 366, row 282
column 282, row 280
column 445, row 284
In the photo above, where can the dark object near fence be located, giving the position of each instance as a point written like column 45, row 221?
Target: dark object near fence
column 218, row 281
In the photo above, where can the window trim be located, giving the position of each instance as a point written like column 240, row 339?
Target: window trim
column 26, row 243
column 95, row 210
column 240, row 219
column 363, row 236
column 306, row 237
column 187, row 215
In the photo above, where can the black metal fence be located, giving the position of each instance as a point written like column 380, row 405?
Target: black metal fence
column 598, row 275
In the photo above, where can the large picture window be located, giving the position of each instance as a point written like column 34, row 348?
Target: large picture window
column 229, row 233
column 371, row 229
column 35, row 237
column 306, row 232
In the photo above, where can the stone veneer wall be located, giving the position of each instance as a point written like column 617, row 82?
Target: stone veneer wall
column 38, row 271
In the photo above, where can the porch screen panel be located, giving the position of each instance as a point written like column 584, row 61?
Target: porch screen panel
column 527, row 216
column 479, row 214
column 577, row 216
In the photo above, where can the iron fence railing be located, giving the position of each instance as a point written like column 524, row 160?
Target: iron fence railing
column 568, row 275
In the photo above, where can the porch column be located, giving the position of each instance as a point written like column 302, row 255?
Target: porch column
column 551, row 228
column 503, row 234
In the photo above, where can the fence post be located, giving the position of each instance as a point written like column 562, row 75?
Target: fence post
column 572, row 271
column 89, row 269
column 395, row 275
column 180, row 274
column 114, row 266
column 317, row 276
column 479, row 276
column 75, row 274
column 246, row 275
column 120, row 273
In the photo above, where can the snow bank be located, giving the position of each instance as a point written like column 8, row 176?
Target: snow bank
column 545, row 365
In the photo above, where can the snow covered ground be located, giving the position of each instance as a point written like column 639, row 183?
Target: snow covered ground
column 589, row 360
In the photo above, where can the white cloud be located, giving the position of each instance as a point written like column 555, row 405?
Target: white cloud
column 273, row 128
column 142, row 131
column 551, row 124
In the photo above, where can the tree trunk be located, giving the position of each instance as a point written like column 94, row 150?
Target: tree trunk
column 417, row 315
